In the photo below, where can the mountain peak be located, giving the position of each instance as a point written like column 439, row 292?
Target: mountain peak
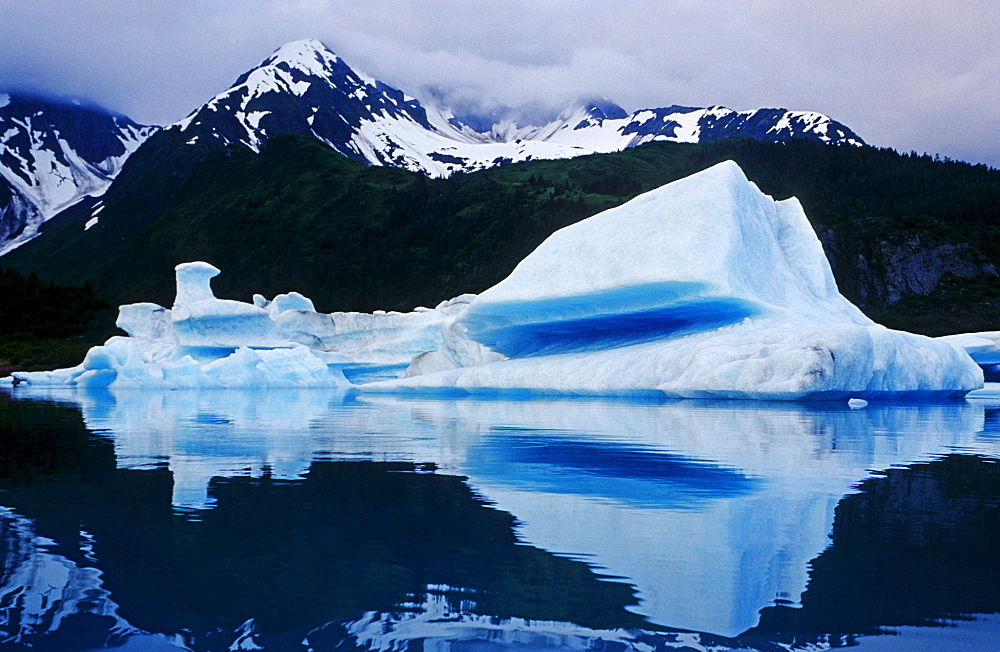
column 602, row 108
column 29, row 100
column 309, row 55
column 304, row 44
column 304, row 88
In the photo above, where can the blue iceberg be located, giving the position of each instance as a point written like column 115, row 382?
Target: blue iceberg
column 705, row 287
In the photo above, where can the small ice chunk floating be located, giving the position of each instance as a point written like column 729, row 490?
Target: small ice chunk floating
column 218, row 343
column 983, row 347
column 703, row 288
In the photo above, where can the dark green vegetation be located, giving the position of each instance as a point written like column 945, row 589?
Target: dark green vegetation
column 44, row 323
column 911, row 239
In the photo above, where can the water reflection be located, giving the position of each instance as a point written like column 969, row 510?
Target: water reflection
column 926, row 535
column 277, row 517
column 567, row 463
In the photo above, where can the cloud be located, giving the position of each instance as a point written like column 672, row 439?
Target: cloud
column 911, row 74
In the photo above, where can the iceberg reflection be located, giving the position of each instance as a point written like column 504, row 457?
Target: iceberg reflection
column 565, row 463
column 712, row 511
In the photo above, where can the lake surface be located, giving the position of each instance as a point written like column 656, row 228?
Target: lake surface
column 290, row 520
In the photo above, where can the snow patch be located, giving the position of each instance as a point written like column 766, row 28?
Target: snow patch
column 42, row 164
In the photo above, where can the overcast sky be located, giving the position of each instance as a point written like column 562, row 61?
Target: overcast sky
column 909, row 74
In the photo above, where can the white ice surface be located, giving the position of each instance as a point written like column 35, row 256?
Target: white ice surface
column 989, row 392
column 983, row 347
column 704, row 287
column 201, row 342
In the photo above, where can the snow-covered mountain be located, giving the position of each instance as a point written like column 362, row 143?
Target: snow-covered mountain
column 306, row 89
column 54, row 152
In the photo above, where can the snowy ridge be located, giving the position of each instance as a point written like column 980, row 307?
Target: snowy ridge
column 306, row 89
column 52, row 154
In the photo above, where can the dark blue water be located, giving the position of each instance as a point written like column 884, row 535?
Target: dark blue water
column 295, row 520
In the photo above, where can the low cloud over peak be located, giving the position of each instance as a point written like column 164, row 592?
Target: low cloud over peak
column 918, row 75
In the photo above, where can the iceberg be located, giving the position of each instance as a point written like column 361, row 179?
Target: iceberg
column 984, row 348
column 703, row 288
column 201, row 342
column 206, row 342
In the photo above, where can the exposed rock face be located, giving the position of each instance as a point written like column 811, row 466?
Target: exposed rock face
column 17, row 214
column 915, row 267
column 881, row 271
column 306, row 89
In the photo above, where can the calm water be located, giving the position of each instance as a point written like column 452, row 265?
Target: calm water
column 289, row 520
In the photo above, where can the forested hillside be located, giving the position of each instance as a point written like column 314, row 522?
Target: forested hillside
column 42, row 323
column 912, row 240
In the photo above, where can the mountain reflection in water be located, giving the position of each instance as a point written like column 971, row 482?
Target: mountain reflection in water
column 224, row 520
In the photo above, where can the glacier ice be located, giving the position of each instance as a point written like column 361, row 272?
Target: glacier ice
column 984, row 348
column 705, row 287
column 203, row 341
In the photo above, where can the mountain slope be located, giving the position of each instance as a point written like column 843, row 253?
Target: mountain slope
column 910, row 239
column 307, row 90
column 53, row 152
